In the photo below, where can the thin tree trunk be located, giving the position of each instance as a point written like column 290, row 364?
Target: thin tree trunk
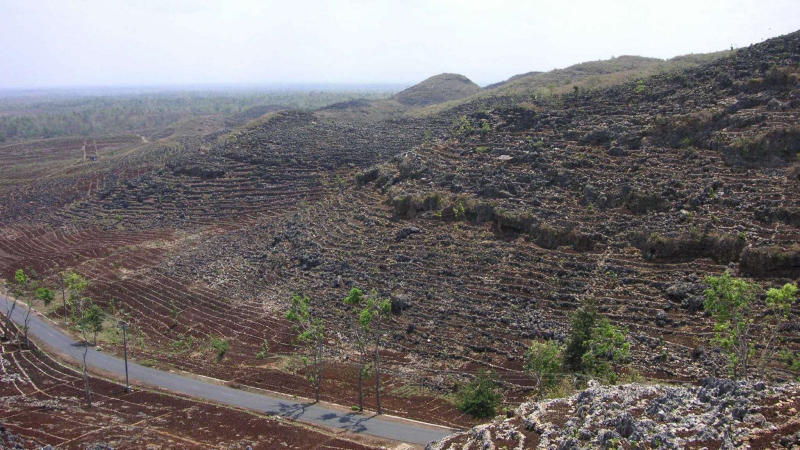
column 319, row 370
column 85, row 371
column 378, row 375
column 360, row 388
column 9, row 312
column 27, row 325
column 64, row 300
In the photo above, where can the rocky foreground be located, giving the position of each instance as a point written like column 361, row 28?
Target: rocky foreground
column 718, row 414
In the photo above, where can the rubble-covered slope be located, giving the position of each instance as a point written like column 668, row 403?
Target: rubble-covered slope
column 718, row 414
column 438, row 89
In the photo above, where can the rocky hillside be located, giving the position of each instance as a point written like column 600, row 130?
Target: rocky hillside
column 487, row 224
column 718, row 414
column 591, row 75
column 438, row 89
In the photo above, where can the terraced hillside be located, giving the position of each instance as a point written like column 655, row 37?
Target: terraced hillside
column 43, row 407
column 486, row 223
column 436, row 90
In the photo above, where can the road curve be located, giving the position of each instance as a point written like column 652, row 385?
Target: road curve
column 395, row 429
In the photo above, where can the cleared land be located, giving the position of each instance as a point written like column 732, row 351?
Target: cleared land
column 487, row 221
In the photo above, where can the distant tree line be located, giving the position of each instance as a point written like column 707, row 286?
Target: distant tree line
column 30, row 118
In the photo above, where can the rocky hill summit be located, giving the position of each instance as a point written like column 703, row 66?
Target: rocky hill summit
column 438, row 89
column 719, row 414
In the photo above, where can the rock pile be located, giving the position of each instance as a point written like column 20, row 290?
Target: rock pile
column 718, row 414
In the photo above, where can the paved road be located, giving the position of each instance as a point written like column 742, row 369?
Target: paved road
column 403, row 431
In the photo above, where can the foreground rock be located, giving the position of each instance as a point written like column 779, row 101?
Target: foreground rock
column 718, row 414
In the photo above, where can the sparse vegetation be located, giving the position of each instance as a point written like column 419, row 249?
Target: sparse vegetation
column 462, row 126
column 594, row 346
column 370, row 312
column 543, row 361
column 311, row 334
column 480, row 398
column 730, row 301
column 220, row 345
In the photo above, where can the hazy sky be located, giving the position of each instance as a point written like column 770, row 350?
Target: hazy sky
column 46, row 43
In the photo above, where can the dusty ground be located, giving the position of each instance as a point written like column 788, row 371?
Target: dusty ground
column 43, row 403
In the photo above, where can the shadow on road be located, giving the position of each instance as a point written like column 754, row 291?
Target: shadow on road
column 292, row 411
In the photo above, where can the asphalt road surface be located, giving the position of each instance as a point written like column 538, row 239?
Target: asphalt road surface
column 378, row 426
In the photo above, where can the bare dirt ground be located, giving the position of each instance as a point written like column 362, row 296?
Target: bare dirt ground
column 43, row 403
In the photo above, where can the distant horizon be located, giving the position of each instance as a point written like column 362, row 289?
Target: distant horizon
column 78, row 44
column 201, row 87
column 288, row 86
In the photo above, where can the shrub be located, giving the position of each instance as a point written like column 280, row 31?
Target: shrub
column 485, row 128
column 720, row 247
column 781, row 144
column 595, row 346
column 462, row 126
column 678, row 131
column 641, row 87
column 221, row 346
column 607, row 348
column 771, row 261
column 780, row 77
column 480, row 397
column 514, row 221
column 459, row 212
column 792, row 361
column 402, row 206
column 432, row 201
column 563, row 389
column 368, row 175
column 642, row 202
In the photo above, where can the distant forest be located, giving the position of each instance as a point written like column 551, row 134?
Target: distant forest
column 23, row 118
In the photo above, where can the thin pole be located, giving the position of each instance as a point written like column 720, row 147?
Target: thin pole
column 125, row 343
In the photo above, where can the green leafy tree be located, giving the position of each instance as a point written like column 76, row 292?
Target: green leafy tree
column 375, row 312
column 543, row 362
column 72, row 287
column 607, row 349
column 311, row 333
column 729, row 300
column 20, row 289
column 779, row 312
column 480, row 397
column 594, row 346
column 361, row 339
column 580, row 333
column 41, row 295
column 92, row 319
column 369, row 312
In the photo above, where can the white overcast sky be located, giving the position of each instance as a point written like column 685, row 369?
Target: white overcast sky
column 62, row 43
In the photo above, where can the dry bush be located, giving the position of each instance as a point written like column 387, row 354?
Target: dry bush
column 771, row 261
column 685, row 130
column 720, row 247
column 777, row 146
